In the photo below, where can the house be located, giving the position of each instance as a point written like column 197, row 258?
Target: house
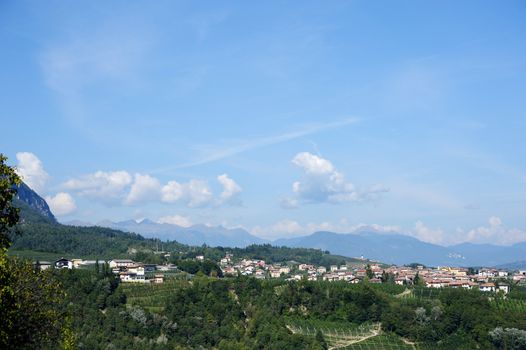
column 504, row 288
column 487, row 287
column 121, row 263
column 131, row 277
column 334, row 268
column 321, row 270
column 275, row 273
column 158, row 278
column 42, row 265
column 284, row 269
column 136, row 269
column 200, row 257
column 77, row 263
column 63, row 264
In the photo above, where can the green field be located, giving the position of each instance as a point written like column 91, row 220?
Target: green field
column 509, row 304
column 152, row 297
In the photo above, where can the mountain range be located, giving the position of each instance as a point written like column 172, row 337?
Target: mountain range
column 402, row 249
column 193, row 235
column 392, row 248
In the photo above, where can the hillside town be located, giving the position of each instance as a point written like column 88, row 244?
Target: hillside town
column 484, row 279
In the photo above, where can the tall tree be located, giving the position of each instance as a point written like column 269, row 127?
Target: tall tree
column 29, row 299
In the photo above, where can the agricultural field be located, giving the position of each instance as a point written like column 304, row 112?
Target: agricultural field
column 151, row 297
column 419, row 293
column 509, row 304
column 382, row 342
column 338, row 335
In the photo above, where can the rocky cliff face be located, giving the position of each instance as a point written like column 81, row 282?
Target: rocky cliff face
column 33, row 200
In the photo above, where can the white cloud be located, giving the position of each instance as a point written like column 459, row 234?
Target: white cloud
column 61, row 204
column 496, row 233
column 195, row 193
column 313, row 164
column 144, row 188
column 231, row 190
column 119, row 187
column 31, row 170
column 178, row 220
column 426, row 234
column 110, row 187
column 323, row 183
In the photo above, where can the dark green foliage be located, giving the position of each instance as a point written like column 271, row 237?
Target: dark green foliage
column 206, row 267
column 9, row 214
column 30, row 316
column 246, row 313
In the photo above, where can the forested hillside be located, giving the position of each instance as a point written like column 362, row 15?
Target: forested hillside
column 246, row 313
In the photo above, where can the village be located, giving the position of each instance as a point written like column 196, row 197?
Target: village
column 484, row 279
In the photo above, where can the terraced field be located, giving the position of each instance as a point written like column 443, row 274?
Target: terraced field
column 382, row 342
column 337, row 334
column 151, row 297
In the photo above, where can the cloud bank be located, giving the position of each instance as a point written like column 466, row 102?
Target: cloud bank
column 322, row 183
column 61, row 204
column 121, row 188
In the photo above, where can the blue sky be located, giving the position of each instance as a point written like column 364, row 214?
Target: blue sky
column 279, row 117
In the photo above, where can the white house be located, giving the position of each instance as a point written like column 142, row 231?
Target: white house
column 504, row 288
column 487, row 287
column 158, row 278
column 118, row 263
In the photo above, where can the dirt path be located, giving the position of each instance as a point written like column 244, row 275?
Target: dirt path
column 351, row 342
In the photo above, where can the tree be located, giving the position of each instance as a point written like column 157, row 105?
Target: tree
column 29, row 298
column 9, row 214
column 369, row 271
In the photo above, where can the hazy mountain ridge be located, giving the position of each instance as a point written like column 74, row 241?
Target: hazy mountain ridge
column 395, row 248
column 193, row 235
column 402, row 249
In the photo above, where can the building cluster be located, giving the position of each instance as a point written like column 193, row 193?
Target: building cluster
column 485, row 279
column 126, row 269
column 453, row 277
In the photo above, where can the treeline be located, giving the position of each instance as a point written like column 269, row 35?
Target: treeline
column 270, row 254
